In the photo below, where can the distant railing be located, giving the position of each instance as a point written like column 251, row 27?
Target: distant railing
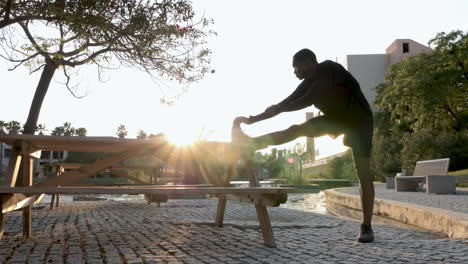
column 320, row 162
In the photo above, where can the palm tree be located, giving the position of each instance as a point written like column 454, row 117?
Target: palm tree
column 81, row 132
column 58, row 131
column 13, row 127
column 3, row 125
column 68, row 129
column 122, row 131
column 41, row 129
column 142, row 135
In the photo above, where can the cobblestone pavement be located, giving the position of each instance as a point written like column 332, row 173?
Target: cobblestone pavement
column 181, row 231
column 454, row 202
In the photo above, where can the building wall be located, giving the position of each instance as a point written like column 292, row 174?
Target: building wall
column 369, row 70
column 397, row 52
column 310, row 141
column 46, row 156
column 5, row 155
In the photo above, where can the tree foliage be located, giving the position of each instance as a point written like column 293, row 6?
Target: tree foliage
column 2, row 127
column 122, row 131
column 142, row 134
column 423, row 108
column 16, row 11
column 163, row 38
column 341, row 167
column 430, row 90
column 11, row 127
column 68, row 130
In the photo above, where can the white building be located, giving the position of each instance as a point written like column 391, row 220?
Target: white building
column 371, row 69
column 5, row 153
column 47, row 157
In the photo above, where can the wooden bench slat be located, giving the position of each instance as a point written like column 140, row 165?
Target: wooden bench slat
column 143, row 190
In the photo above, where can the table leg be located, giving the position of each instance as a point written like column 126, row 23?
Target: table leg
column 3, row 217
column 27, row 222
column 262, row 213
column 52, row 200
column 220, row 212
column 222, row 202
column 57, row 201
column 13, row 169
column 265, row 226
column 27, row 181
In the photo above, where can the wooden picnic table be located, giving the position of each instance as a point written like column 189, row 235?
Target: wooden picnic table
column 18, row 192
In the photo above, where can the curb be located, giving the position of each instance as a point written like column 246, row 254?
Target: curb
column 453, row 224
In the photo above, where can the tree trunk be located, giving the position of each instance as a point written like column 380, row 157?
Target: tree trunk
column 39, row 95
column 1, row 159
column 300, row 171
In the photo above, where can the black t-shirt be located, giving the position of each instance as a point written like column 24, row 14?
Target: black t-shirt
column 334, row 91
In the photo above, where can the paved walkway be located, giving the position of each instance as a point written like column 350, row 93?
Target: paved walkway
column 457, row 202
column 181, row 232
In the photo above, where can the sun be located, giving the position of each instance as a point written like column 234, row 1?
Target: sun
column 182, row 138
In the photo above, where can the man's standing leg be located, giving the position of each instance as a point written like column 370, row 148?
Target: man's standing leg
column 366, row 189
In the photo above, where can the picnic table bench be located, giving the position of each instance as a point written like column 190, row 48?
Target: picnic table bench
column 121, row 170
column 18, row 192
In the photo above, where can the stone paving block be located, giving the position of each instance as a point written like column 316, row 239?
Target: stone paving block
column 113, row 232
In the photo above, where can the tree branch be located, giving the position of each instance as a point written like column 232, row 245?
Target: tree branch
column 33, row 41
column 37, row 69
column 7, row 11
column 62, row 43
column 19, row 19
column 20, row 62
column 447, row 107
column 90, row 58
column 67, row 84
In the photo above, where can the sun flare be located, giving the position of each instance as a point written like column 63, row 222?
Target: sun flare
column 182, row 138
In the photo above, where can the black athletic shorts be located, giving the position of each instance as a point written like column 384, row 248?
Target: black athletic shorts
column 357, row 133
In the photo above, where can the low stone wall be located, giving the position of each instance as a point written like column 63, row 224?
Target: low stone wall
column 332, row 183
column 453, row 224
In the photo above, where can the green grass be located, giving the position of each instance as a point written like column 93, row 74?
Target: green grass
column 460, row 173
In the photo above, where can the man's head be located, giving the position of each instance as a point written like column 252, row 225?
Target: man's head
column 305, row 64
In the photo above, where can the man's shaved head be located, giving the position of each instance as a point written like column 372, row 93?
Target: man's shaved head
column 304, row 55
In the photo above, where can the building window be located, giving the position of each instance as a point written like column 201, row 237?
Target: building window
column 7, row 153
column 55, row 154
column 405, row 47
column 45, row 154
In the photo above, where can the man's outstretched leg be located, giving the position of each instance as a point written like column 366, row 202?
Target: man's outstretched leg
column 311, row 128
column 366, row 190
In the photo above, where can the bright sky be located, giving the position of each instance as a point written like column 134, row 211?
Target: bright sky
column 252, row 58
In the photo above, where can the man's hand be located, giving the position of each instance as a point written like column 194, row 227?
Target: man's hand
column 272, row 110
column 242, row 119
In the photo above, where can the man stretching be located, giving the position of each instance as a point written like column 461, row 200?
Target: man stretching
column 334, row 91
